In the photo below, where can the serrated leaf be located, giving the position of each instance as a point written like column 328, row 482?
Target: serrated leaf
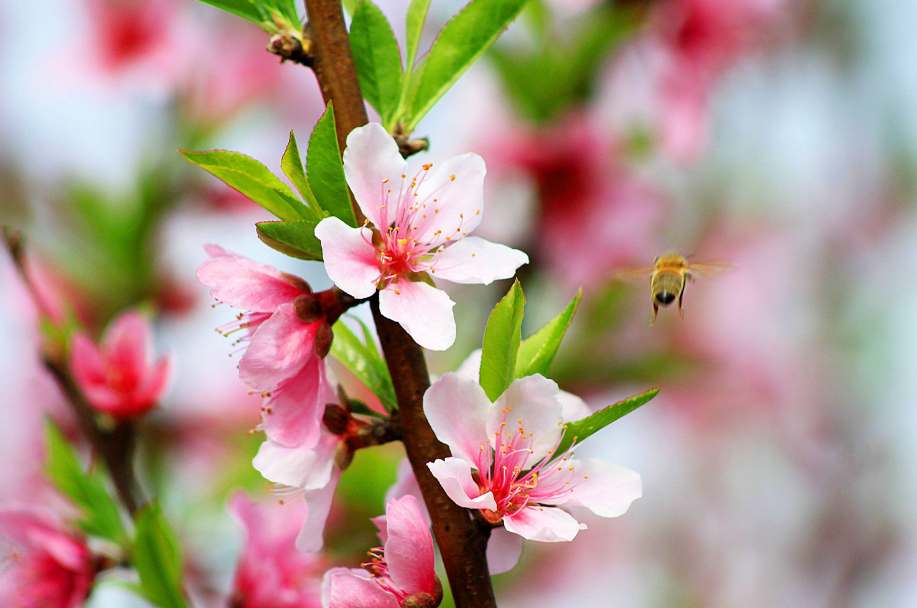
column 252, row 179
column 363, row 361
column 537, row 352
column 247, row 9
column 326, row 172
column 460, row 43
column 416, row 17
column 501, row 342
column 99, row 514
column 377, row 59
column 291, row 164
column 296, row 239
column 157, row 558
column 581, row 429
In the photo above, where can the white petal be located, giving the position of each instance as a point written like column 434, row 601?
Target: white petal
column 606, row 489
column 574, row 407
column 311, row 536
column 544, row 524
column 372, row 156
column 457, row 408
column 471, row 366
column 454, row 475
column 307, row 468
column 422, row 310
column 454, row 192
column 477, row 260
column 350, row 258
column 503, row 550
column 533, row 401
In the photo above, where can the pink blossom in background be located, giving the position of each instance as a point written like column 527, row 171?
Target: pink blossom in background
column 403, row 568
column 47, row 567
column 131, row 32
column 281, row 359
column 419, row 226
column 119, row 377
column 271, row 572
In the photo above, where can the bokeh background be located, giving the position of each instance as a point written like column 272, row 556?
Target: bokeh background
column 779, row 461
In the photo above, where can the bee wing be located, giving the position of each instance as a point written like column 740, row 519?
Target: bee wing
column 632, row 274
column 709, row 269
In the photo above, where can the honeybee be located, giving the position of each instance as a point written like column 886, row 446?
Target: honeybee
column 668, row 276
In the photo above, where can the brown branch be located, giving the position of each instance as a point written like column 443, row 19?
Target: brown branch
column 462, row 543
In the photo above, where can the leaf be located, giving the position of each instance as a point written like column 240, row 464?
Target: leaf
column 247, row 9
column 581, row 429
column 501, row 342
column 460, row 43
column 296, row 239
column 416, row 17
column 326, row 173
column 377, row 59
column 292, row 166
column 363, row 361
column 536, row 353
column 99, row 514
column 252, row 179
column 157, row 558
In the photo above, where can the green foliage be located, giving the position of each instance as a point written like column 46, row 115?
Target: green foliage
column 292, row 166
column 158, row 560
column 416, row 17
column 377, row 59
column 460, row 43
column 536, row 353
column 581, row 429
column 362, row 359
column 99, row 515
column 266, row 13
column 501, row 343
column 296, row 239
column 326, row 172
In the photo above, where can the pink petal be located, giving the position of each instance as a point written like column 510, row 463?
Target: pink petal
column 503, row 550
column 471, row 366
column 34, row 529
column 298, row 467
column 406, row 485
column 278, row 350
column 457, row 408
column 533, row 400
column 128, row 344
column 544, row 524
column 476, row 260
column 311, row 536
column 458, row 187
column 350, row 257
column 292, row 415
column 574, row 408
column 454, row 475
column 422, row 310
column 244, row 283
column 155, row 385
column 409, row 547
column 606, row 489
column 86, row 362
column 372, row 156
column 352, row 588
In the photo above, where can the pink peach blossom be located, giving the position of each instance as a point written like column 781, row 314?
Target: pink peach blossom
column 402, row 569
column 120, row 378
column 280, row 326
column 48, row 567
column 519, row 479
column 419, row 226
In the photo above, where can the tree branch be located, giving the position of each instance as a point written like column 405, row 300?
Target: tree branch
column 462, row 543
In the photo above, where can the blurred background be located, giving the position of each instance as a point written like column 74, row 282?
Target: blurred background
column 780, row 136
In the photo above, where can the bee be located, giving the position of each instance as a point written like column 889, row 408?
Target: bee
column 668, row 276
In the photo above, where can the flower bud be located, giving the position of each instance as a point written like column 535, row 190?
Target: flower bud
column 336, row 418
column 419, row 600
column 323, row 338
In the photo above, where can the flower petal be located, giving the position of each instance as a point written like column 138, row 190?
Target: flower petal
column 350, row 257
column 606, row 489
column 456, row 408
column 297, row 467
column 454, row 190
column 503, row 550
column 476, row 260
column 405, row 485
column 371, row 157
column 311, row 536
column 471, row 366
column 128, row 345
column 454, row 475
column 244, row 283
column 544, row 524
column 352, row 588
column 533, row 402
column 409, row 547
column 278, row 350
column 293, row 413
column 34, row 529
column 154, row 385
column 425, row 312
column 574, row 408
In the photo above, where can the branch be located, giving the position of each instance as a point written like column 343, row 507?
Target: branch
column 461, row 541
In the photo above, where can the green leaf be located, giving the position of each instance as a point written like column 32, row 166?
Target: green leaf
column 536, row 353
column 581, row 429
column 501, row 342
column 416, row 17
column 363, row 361
column 252, row 179
column 326, row 172
column 377, row 59
column 99, row 514
column 350, row 6
column 247, row 9
column 461, row 42
column 157, row 558
column 295, row 239
column 292, row 166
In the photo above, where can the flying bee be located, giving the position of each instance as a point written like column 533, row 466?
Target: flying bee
column 668, row 277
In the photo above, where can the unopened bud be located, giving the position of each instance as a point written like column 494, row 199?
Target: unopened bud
column 308, row 309
column 343, row 456
column 336, row 418
column 419, row 600
column 323, row 338
column 284, row 45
